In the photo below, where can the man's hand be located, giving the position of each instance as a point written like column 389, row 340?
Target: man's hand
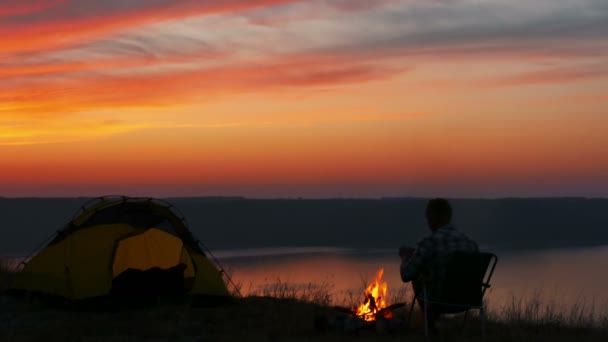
column 406, row 252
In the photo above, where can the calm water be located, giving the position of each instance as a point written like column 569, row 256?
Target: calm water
column 564, row 276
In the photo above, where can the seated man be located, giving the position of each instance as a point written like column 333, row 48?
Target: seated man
column 427, row 262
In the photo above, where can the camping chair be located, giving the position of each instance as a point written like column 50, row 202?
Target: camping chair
column 465, row 283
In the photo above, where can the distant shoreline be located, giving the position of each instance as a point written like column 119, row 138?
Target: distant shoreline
column 328, row 198
column 229, row 223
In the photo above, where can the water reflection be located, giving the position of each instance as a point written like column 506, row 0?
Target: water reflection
column 563, row 277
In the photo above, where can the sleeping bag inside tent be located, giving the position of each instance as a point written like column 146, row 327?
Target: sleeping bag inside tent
column 124, row 247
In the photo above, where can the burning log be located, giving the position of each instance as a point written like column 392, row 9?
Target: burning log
column 346, row 320
column 372, row 315
column 390, row 308
column 375, row 302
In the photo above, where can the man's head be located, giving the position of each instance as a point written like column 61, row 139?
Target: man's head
column 438, row 213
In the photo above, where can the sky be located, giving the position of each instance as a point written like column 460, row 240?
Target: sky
column 304, row 98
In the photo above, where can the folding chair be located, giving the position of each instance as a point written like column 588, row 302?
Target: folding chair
column 465, row 283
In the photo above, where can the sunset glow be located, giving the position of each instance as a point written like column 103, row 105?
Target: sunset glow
column 304, row 98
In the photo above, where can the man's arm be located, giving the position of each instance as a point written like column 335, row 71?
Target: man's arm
column 410, row 266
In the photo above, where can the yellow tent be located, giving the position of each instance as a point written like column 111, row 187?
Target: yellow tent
column 122, row 243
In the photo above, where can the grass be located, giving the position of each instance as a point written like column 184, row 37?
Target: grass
column 541, row 315
column 281, row 311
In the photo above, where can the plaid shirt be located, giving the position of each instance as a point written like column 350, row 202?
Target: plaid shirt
column 431, row 255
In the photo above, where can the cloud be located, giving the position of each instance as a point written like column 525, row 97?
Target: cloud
column 64, row 57
column 311, row 10
column 305, row 119
column 53, row 96
column 76, row 21
column 352, row 26
column 554, row 75
column 105, row 56
column 549, row 28
column 16, row 131
column 23, row 7
column 43, row 131
column 160, row 30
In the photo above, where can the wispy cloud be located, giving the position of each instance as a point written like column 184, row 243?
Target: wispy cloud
column 552, row 75
column 24, row 7
column 43, row 131
column 16, row 131
column 88, row 92
column 66, row 23
column 67, row 58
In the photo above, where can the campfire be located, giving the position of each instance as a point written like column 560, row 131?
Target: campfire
column 374, row 314
column 374, row 305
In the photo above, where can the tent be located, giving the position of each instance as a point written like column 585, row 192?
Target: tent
column 125, row 247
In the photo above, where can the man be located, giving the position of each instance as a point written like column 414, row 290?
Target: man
column 426, row 264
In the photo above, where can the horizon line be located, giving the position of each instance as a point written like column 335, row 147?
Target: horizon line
column 297, row 198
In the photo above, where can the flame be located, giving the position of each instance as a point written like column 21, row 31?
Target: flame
column 375, row 300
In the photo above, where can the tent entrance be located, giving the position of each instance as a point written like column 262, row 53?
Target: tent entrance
column 152, row 263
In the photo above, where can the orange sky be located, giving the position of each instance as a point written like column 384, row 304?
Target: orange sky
column 321, row 98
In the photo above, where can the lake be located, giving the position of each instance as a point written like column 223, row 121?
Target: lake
column 565, row 276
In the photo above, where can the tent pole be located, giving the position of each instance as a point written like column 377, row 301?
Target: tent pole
column 222, row 270
column 38, row 248
column 15, row 267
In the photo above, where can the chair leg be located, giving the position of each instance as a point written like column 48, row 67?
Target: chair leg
column 482, row 317
column 409, row 318
column 426, row 313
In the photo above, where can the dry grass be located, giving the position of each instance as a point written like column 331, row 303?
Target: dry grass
column 544, row 315
column 322, row 294
column 284, row 312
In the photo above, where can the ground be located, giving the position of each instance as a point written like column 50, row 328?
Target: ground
column 248, row 319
